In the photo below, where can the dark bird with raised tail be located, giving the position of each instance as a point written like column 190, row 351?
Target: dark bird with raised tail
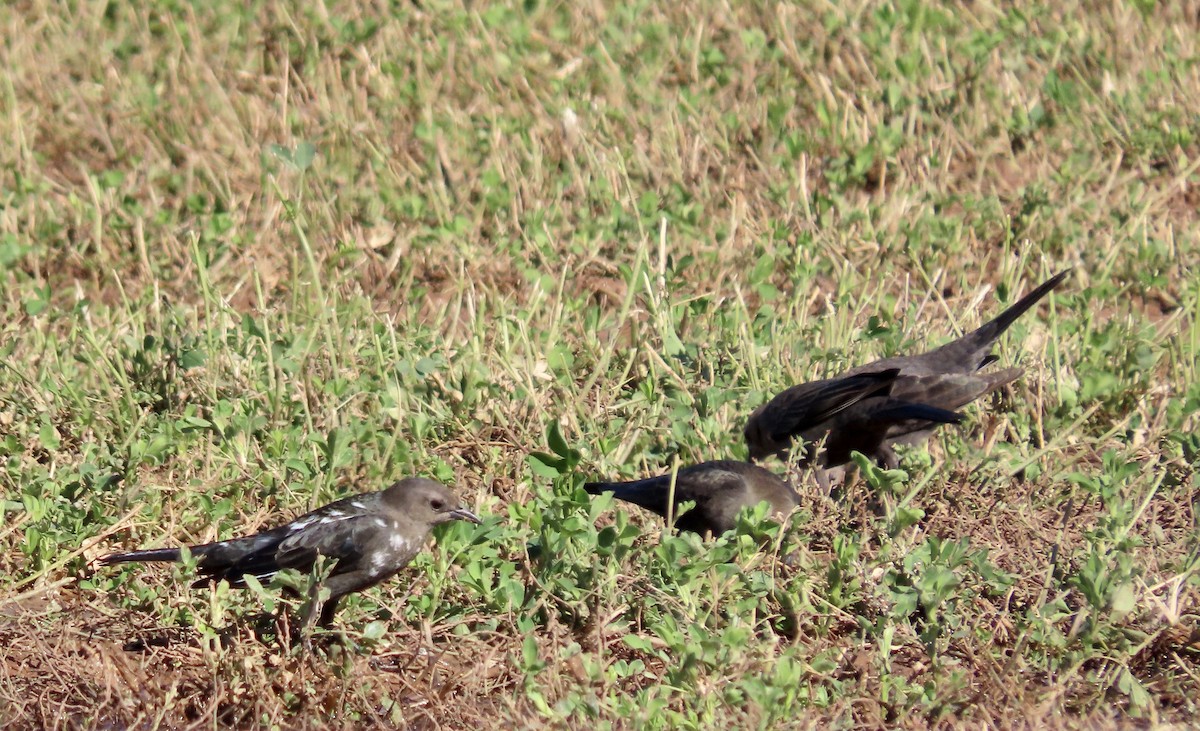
column 939, row 382
column 851, row 412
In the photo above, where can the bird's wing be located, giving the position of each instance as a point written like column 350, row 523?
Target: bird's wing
column 343, row 537
column 238, row 557
column 808, row 405
column 293, row 545
column 953, row 390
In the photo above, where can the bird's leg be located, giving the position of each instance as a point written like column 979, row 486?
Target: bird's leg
column 887, row 458
column 315, row 592
column 337, row 637
column 328, row 611
column 283, row 624
column 823, row 480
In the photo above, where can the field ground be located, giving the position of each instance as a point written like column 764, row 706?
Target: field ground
column 256, row 256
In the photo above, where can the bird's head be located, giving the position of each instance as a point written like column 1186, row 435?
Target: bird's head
column 758, row 439
column 426, row 501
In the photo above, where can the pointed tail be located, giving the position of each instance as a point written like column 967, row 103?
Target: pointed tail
column 152, row 554
column 989, row 331
column 650, row 493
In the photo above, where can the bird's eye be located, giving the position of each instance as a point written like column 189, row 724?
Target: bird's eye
column 438, row 505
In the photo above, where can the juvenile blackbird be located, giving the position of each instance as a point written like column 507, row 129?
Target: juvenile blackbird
column 929, row 386
column 856, row 411
column 370, row 536
column 719, row 490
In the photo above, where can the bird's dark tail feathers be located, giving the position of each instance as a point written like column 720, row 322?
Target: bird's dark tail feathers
column 152, row 554
column 650, row 493
column 619, row 488
column 991, row 330
column 597, row 488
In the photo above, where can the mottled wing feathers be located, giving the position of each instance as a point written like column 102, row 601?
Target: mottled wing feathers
column 342, row 538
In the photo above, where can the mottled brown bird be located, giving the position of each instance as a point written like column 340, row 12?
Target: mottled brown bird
column 719, row 490
column 370, row 537
column 938, row 381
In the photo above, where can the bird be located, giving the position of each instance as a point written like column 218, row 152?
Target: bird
column 851, row 412
column 719, row 489
column 927, row 388
column 370, row 537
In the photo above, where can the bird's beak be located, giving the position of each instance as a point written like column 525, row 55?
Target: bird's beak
column 464, row 514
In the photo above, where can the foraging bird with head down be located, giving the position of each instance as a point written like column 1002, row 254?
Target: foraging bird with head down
column 722, row 488
column 370, row 537
column 719, row 489
column 942, row 380
column 851, row 412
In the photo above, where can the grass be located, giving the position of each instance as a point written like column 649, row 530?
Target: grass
column 256, row 257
